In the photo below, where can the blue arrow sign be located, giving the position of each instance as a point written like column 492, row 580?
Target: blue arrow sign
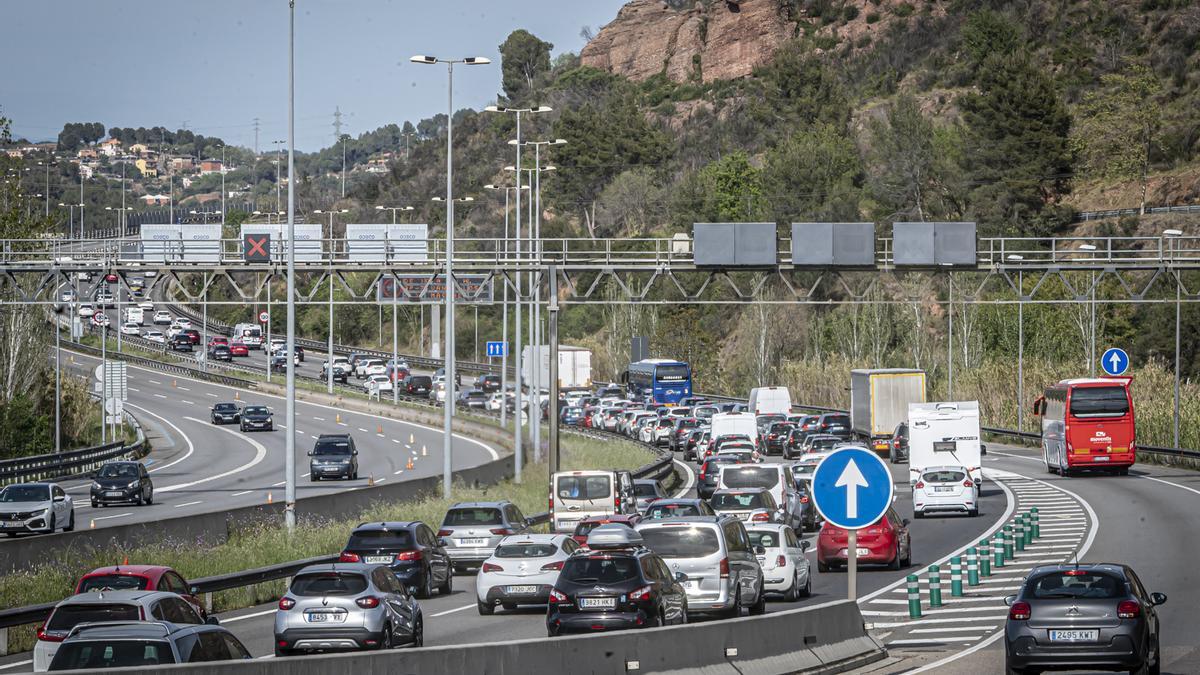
column 497, row 349
column 852, row 488
column 1115, row 361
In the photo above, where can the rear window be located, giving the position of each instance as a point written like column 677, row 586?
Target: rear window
column 738, row 500
column 681, row 542
column 329, row 583
column 602, row 571
column 943, row 476
column 751, row 477
column 804, row 469
column 381, row 539
column 584, row 487
column 1076, row 584
column 645, row 490
column 825, row 443
column 525, row 550
column 421, row 381
column 113, row 582
column 659, row 511
column 838, row 420
column 1099, row 402
column 468, row 517
column 104, row 654
column 66, row 617
column 764, row 539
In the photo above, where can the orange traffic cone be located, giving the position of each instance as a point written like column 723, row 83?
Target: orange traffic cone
column 174, row 383
column 370, row 481
column 339, row 418
column 410, row 463
column 93, row 525
column 237, row 396
column 270, row 499
column 379, row 429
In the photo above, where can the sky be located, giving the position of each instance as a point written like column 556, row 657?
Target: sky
column 218, row 64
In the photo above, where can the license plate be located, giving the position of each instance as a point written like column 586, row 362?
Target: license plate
column 378, row 559
column 473, row 541
column 317, row 617
column 1074, row 635
column 690, row 584
column 598, row 603
column 521, row 590
column 1102, row 458
column 943, row 489
column 13, row 523
column 113, row 493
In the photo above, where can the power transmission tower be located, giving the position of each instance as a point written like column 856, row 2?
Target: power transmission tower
column 185, row 123
column 337, row 123
column 256, row 136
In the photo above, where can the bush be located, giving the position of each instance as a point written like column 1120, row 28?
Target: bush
column 903, row 10
column 873, row 17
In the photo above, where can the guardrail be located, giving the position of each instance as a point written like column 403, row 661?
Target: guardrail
column 58, row 465
column 1115, row 213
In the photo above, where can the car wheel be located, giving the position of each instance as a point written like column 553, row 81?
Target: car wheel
column 807, row 592
column 242, row 427
column 485, row 608
column 793, row 591
column 448, row 587
column 973, row 512
column 1156, row 667
column 426, row 590
column 822, row 566
column 760, row 607
column 53, row 526
column 418, row 633
column 355, row 476
column 70, row 522
column 907, row 556
column 141, row 498
column 95, row 504
column 918, row 514
column 1009, row 670
column 387, row 642
column 1123, row 471
column 736, row 610
column 894, row 565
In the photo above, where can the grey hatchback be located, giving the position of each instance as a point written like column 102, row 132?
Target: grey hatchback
column 1067, row 617
column 124, row 644
column 473, row 530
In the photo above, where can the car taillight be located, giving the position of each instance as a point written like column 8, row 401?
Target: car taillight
column 551, row 567
column 556, row 597
column 968, row 483
column 804, row 499
column 780, row 561
column 367, row 602
column 759, row 518
column 702, row 472
column 824, row 426
column 491, row 567
column 286, row 603
column 1128, row 609
column 1019, row 611
column 445, row 533
column 502, row 530
column 46, row 637
column 642, row 594
column 410, row 555
column 724, row 568
column 920, row 485
column 551, row 502
column 347, row 556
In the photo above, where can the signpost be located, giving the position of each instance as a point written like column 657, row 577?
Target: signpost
column 1115, row 361
column 496, row 349
column 852, row 489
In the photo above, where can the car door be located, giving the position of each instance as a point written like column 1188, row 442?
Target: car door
column 62, row 505
column 673, row 591
column 795, row 550
column 901, row 530
column 439, row 559
column 397, row 602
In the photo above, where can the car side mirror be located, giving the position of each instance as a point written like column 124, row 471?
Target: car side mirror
column 194, row 590
column 60, row 498
column 760, row 550
column 310, row 453
column 1010, row 599
column 354, row 452
column 681, row 577
column 978, row 482
column 212, row 620
column 804, row 545
column 1158, row 598
column 982, row 449
column 905, row 522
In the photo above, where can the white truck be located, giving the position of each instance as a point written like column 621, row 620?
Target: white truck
column 770, row 400
column 249, row 333
column 944, row 434
column 574, row 367
column 879, row 401
column 728, row 424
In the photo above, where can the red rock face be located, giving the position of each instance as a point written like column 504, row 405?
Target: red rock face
column 726, row 41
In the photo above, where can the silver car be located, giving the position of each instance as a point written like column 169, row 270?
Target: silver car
column 645, row 491
column 35, row 507
column 722, row 568
column 346, row 606
column 473, row 530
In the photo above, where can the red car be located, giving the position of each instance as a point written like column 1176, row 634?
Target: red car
column 586, row 525
column 239, row 348
column 887, row 542
column 139, row 578
column 214, row 341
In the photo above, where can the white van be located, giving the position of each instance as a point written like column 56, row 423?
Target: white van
column 776, row 478
column 944, row 434
column 770, row 400
column 134, row 315
column 575, row 495
column 250, row 335
column 727, row 424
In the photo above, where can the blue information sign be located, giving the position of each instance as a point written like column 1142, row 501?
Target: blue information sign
column 852, row 488
column 1115, row 361
column 496, row 349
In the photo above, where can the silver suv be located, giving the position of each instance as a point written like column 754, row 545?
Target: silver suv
column 346, row 606
column 473, row 530
column 723, row 574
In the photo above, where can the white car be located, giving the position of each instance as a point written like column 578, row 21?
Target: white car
column 162, row 318
column 147, row 306
column 784, row 565
column 183, row 322
column 380, row 383
column 87, row 309
column 155, row 336
column 68, row 295
column 522, row 570
column 105, row 300
column 371, row 369
column 494, row 401
column 948, row 489
column 437, row 392
column 131, row 328
column 276, row 344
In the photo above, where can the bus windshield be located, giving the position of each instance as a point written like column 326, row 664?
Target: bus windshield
column 1099, row 402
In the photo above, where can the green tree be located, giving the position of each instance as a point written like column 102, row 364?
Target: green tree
column 989, row 32
column 524, row 60
column 912, row 167
column 734, row 188
column 816, row 174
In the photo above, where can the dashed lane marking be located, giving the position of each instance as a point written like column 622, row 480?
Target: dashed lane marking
column 115, row 515
column 180, row 506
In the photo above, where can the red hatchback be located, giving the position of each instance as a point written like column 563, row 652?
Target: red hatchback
column 139, row 578
column 586, row 525
column 887, row 542
column 214, row 341
column 238, row 348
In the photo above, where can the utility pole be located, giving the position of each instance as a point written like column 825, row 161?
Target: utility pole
column 256, row 128
column 278, row 175
column 290, row 410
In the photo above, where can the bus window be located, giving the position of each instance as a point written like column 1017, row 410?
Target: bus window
column 1099, row 402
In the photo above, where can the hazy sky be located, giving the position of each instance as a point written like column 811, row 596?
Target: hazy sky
column 218, row 64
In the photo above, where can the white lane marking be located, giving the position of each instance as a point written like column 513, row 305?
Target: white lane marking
column 305, row 476
column 397, row 473
column 456, row 609
column 319, row 419
column 282, row 482
column 259, row 455
column 396, row 440
column 239, row 494
column 160, row 396
column 957, row 619
column 934, row 641
column 16, row 664
column 183, row 388
column 210, row 394
column 363, row 430
column 130, row 389
column 247, row 616
column 115, row 515
column 1167, row 482
column 283, row 426
column 379, row 480
column 953, row 630
column 155, row 382
column 186, row 438
column 183, row 400
column 691, row 479
column 179, row 506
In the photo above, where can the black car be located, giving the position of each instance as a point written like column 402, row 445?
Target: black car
column 226, row 413
column 835, row 424
column 417, row 385
column 333, row 456
column 615, row 583
column 898, row 445
column 488, row 383
column 473, row 398
column 122, row 483
column 257, row 417
column 710, row 471
column 417, row 557
column 220, row 353
column 180, row 343
column 278, row 363
column 777, row 435
column 1098, row 617
column 121, row 644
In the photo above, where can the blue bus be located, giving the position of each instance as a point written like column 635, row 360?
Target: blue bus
column 662, row 381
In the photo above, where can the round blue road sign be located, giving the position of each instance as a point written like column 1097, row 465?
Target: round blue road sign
column 852, row 488
column 1115, row 361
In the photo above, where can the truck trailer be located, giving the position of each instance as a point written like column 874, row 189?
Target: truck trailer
column 574, row 367
column 879, row 400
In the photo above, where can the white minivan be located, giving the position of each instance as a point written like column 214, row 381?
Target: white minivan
column 770, row 400
column 575, row 495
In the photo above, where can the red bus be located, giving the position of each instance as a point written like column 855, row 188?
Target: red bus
column 1087, row 424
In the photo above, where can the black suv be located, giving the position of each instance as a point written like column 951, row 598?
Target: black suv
column 488, row 383
column 417, row 557
column 180, row 343
column 333, row 456
column 223, row 413
column 777, row 436
column 615, row 586
column 118, row 482
column 898, row 444
column 835, row 424
column 417, row 385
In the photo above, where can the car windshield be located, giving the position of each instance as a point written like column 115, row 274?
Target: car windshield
column 66, row 617
column 751, row 476
column 465, row 517
column 111, row 653
column 119, row 471
column 257, row 410
column 764, row 538
column 681, row 542
column 1076, row 583
column 738, row 500
column 225, row 407
column 381, row 539
column 113, row 582
column 605, row 571
column 332, row 447
column 329, row 583
column 645, row 490
column 946, row 476
column 659, row 511
column 25, row 493
column 824, row 443
column 584, row 487
column 526, row 550
column 1099, row 402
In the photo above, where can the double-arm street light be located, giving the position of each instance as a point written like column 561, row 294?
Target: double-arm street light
column 449, row 408
column 393, row 209
column 395, row 322
column 329, row 351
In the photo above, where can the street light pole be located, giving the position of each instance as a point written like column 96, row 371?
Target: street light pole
column 329, row 350
column 1172, row 235
column 290, row 447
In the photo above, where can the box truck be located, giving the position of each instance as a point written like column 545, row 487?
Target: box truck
column 730, row 424
column 944, row 434
column 769, row 400
column 879, row 401
column 574, row 367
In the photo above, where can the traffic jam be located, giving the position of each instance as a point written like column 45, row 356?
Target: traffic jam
column 779, row 496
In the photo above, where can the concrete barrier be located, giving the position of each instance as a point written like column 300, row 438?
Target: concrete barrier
column 825, row 638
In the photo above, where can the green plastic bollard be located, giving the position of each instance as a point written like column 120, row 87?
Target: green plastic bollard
column 1019, row 533
column 935, row 586
column 998, row 551
column 1037, row 529
column 956, row 577
column 972, row 567
column 985, row 558
column 914, row 596
column 1007, row 542
column 1028, row 528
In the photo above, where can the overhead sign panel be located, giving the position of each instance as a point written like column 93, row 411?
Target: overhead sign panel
column 833, row 244
column 201, row 243
column 160, row 242
column 427, row 289
column 308, row 242
column 408, row 242
column 941, row 244
column 367, row 242
column 274, row 241
column 734, row 244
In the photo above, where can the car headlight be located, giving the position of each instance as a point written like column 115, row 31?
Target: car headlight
column 37, row 514
column 96, row 484
column 132, row 484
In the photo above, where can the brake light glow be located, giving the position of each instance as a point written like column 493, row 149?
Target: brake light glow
column 1128, row 609
column 780, row 561
column 553, row 566
column 1075, row 573
column 803, row 499
column 410, row 555
column 1019, row 611
column 968, row 483
column 445, row 533
column 367, row 602
column 491, row 567
column 642, row 594
column 46, row 637
column 724, row 568
column 347, row 556
column 286, row 603
column 556, row 597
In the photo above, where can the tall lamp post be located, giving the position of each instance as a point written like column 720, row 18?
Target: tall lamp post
column 395, row 323
column 1173, row 235
column 329, row 351
column 1013, row 257
column 449, row 408
column 290, row 444
column 504, row 319
column 71, row 211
